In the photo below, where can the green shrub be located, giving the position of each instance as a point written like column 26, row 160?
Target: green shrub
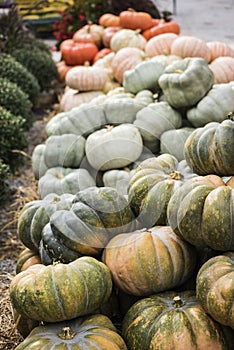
column 39, row 63
column 13, row 98
column 12, row 139
column 14, row 71
column 4, row 185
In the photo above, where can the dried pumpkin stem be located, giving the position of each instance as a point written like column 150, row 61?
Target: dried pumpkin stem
column 175, row 175
column 66, row 333
column 177, row 302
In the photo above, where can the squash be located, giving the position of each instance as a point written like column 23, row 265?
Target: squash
column 161, row 28
column 93, row 331
column 26, row 258
column 113, row 147
column 209, row 149
column 149, row 261
column 190, row 46
column 109, row 20
column 172, row 320
column 214, row 107
column 132, row 19
column 222, row 69
column 201, row 212
column 219, row 49
column 165, row 59
column 36, row 214
column 38, row 162
column 118, row 178
column 127, row 38
column 75, row 54
column 89, row 33
column 73, row 98
column 186, row 81
column 108, row 34
column 160, row 44
column 214, row 288
column 152, row 185
column 61, row 292
column 153, row 120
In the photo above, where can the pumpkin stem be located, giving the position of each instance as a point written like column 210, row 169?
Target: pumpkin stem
column 175, row 175
column 109, row 127
column 231, row 116
column 66, row 333
column 177, row 302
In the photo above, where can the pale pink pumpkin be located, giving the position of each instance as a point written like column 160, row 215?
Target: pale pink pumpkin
column 127, row 38
column 219, row 48
column 190, row 46
column 223, row 69
column 84, row 78
column 125, row 59
column 160, row 44
column 107, row 35
column 73, row 98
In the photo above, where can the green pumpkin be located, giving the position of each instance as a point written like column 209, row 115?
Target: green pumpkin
column 153, row 120
column 215, row 288
column 83, row 333
column 185, row 82
column 144, row 75
column 61, row 180
column 25, row 259
column 210, row 149
column 201, row 212
column 152, row 185
column 172, row 320
column 118, row 178
column 36, row 214
column 214, row 107
column 61, row 292
column 38, row 162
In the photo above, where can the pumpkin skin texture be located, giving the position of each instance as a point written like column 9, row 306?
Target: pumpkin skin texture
column 152, row 185
column 73, row 98
column 173, row 321
column 109, row 20
column 214, row 288
column 127, row 38
column 83, row 333
column 219, row 48
column 186, row 81
column 209, row 150
column 161, row 28
column 118, row 178
column 132, row 19
column 201, row 212
column 83, row 78
column 26, row 259
column 190, row 46
column 222, row 68
column 62, row 291
column 77, row 53
column 89, row 33
column 149, row 261
column 160, row 44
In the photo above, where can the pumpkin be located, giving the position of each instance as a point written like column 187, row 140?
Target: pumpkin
column 125, row 59
column 93, row 331
column 23, row 324
column 223, row 69
column 38, row 163
column 172, row 142
column 165, row 59
column 172, row 320
column 190, row 46
column 149, row 261
column 127, row 38
column 218, row 49
column 77, row 53
column 153, row 120
column 209, row 150
column 201, row 212
column 213, row 107
column 61, row 180
column 214, row 288
column 144, row 76
column 101, row 53
column 160, row 44
column 73, row 98
column 62, row 69
column 186, row 81
column 61, row 292
column 132, row 19
column 109, row 20
column 84, row 78
column 97, row 215
column 26, row 259
column 152, row 185
column 113, row 147
column 89, row 33
column 36, row 214
column 118, row 178
column 161, row 28
column 108, row 33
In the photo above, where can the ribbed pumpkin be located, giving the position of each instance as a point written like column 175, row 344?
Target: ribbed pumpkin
column 61, row 291
column 118, row 178
column 89, row 33
column 26, row 259
column 108, row 34
column 89, row 78
column 38, row 162
column 219, row 48
column 160, row 44
column 201, row 212
column 214, row 288
column 161, row 28
column 171, row 320
column 186, row 81
column 152, row 185
column 36, row 214
column 213, row 107
column 223, row 69
column 109, row 20
column 83, row 333
column 132, row 19
column 209, row 150
column 190, row 46
column 73, row 98
column 77, row 53
column 127, row 38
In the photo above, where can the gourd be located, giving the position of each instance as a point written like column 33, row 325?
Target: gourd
column 113, row 147
column 61, row 292
column 161, row 28
column 172, row 320
column 186, row 81
column 73, row 98
column 109, row 20
column 127, row 38
column 218, row 49
column 26, row 258
column 81, row 333
column 38, row 162
column 201, row 212
column 132, row 19
column 222, row 69
column 61, row 180
column 214, row 288
column 149, row 261
column 82, row 78
column 209, row 149
column 89, row 33
column 77, row 53
column 152, row 185
column 213, row 107
column 118, row 178
column 160, row 44
column 190, row 46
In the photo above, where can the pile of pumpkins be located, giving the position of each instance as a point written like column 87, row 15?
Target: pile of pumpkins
column 130, row 245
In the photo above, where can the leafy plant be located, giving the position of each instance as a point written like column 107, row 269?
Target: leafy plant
column 4, row 185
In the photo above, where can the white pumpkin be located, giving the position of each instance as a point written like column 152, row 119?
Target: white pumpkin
column 84, row 78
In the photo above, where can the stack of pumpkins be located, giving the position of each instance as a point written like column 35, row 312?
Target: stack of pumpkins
column 142, row 260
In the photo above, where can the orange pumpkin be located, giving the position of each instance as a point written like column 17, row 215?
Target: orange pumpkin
column 132, row 19
column 162, row 27
column 219, row 48
column 190, row 46
column 62, row 69
column 90, row 33
column 160, row 44
column 77, row 53
column 109, row 20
